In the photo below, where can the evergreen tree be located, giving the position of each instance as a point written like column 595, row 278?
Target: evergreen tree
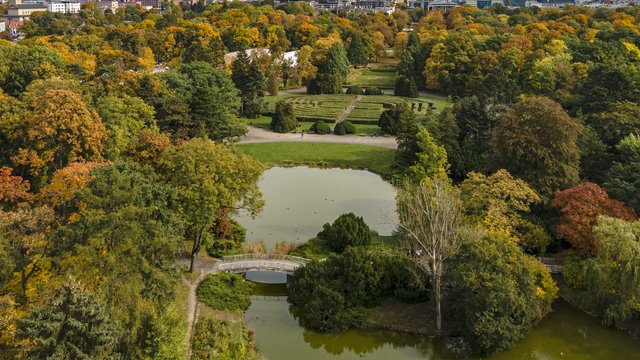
column 407, row 136
column 253, row 96
column 357, row 53
column 283, row 120
column 406, row 76
column 240, row 70
column 331, row 73
column 74, row 326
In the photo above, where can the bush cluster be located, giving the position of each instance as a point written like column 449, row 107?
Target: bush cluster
column 333, row 295
column 320, row 128
column 225, row 292
column 347, row 230
column 344, row 128
column 355, row 90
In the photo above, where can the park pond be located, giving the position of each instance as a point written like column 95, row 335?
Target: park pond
column 299, row 200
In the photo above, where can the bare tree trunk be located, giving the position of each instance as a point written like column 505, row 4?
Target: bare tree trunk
column 429, row 216
column 195, row 250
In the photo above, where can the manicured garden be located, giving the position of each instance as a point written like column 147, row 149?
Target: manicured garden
column 374, row 158
column 369, row 108
column 310, row 108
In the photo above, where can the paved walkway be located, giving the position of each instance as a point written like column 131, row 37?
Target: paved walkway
column 257, row 135
column 349, row 109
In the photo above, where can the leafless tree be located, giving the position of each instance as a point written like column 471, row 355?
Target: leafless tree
column 429, row 216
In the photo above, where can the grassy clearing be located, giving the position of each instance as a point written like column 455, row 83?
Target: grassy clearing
column 382, row 77
column 317, row 249
column 377, row 159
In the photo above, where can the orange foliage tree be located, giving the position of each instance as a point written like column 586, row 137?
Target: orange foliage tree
column 579, row 209
column 12, row 188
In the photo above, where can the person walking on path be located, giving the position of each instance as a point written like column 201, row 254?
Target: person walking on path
column 301, row 135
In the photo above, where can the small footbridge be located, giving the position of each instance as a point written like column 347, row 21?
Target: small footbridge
column 250, row 262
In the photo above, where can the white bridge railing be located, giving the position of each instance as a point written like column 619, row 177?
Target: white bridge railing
column 248, row 262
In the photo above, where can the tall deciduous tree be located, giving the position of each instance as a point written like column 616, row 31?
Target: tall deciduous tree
column 206, row 178
column 501, row 203
column 212, row 99
column 612, row 280
column 536, row 140
column 62, row 129
column 623, row 180
column 579, row 209
column 432, row 158
column 429, row 217
column 124, row 117
column 13, row 189
column 27, row 232
column 496, row 293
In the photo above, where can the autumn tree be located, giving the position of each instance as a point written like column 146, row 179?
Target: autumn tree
column 64, row 184
column 429, row 218
column 207, row 177
column 62, row 129
column 123, row 117
column 13, row 189
column 580, row 208
column 432, row 158
column 536, row 141
column 28, row 234
column 304, row 69
column 147, row 148
column 501, row 204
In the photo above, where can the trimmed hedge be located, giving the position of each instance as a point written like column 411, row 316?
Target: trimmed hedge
column 373, row 91
column 354, row 90
column 320, row 128
column 344, row 128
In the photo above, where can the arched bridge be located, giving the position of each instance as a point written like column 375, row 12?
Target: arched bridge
column 250, row 262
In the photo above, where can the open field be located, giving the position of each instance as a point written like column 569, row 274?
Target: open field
column 382, row 77
column 374, row 158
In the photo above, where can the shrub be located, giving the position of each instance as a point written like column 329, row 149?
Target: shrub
column 347, row 230
column 225, row 292
column 344, row 127
column 373, row 91
column 283, row 119
column 314, row 249
column 573, row 272
column 320, row 128
column 354, row 90
column 220, row 339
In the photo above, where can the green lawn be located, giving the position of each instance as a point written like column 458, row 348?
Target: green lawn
column 377, row 159
column 382, row 77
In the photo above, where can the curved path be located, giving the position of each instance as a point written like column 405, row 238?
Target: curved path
column 257, row 135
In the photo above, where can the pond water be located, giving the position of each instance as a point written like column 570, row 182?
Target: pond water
column 300, row 200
